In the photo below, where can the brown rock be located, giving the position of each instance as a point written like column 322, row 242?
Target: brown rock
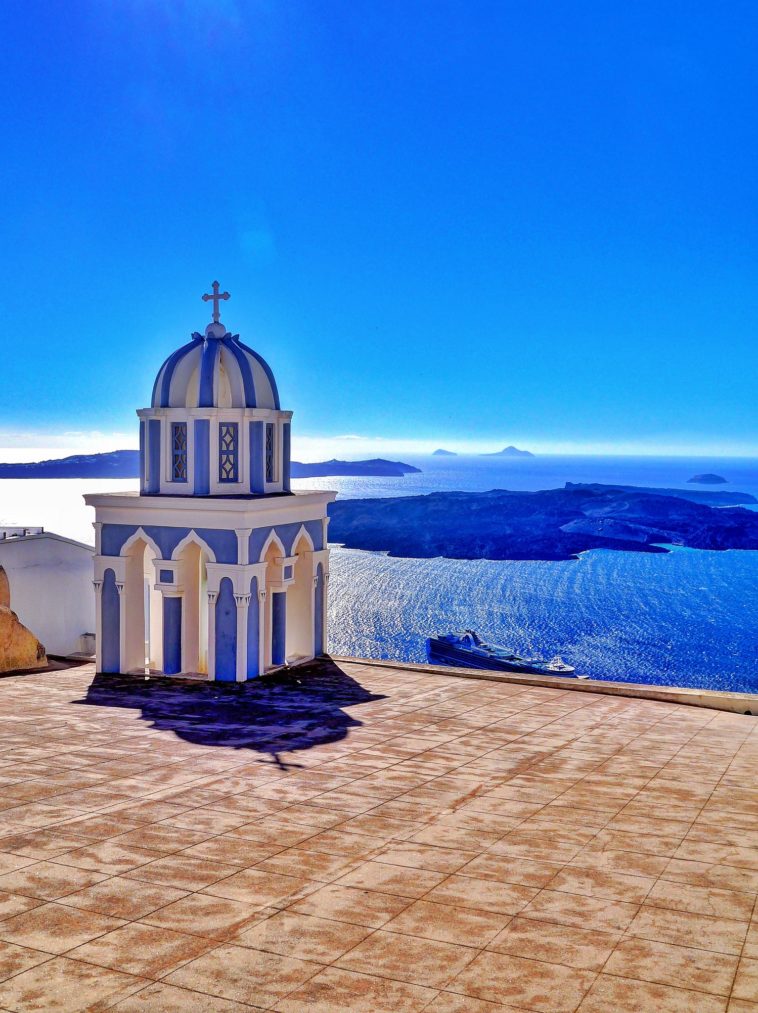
column 19, row 648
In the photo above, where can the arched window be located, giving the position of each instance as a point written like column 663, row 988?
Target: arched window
column 228, row 452
column 178, row 451
column 270, row 453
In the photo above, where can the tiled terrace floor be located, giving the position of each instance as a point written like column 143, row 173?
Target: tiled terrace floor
column 372, row 840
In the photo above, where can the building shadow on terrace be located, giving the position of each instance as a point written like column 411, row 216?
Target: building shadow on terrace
column 279, row 713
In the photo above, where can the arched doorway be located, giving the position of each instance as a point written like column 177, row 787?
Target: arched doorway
column 143, row 610
column 193, row 576
column 274, row 613
column 300, row 604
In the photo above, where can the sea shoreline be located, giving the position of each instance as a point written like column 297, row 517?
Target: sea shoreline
column 682, row 617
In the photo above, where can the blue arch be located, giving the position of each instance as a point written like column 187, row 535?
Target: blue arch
column 223, row 543
column 111, row 624
column 318, row 612
column 287, row 533
column 226, row 632
column 253, row 632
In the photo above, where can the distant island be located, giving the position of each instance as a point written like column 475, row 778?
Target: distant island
column 116, row 464
column 125, row 464
column 509, row 452
column 722, row 499
column 375, row 467
column 708, row 479
column 444, row 453
column 554, row 524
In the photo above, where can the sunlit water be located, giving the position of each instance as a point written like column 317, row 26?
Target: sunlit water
column 686, row 618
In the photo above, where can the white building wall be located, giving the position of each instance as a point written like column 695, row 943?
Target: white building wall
column 51, row 589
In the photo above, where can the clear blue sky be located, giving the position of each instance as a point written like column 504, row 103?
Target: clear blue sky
column 463, row 222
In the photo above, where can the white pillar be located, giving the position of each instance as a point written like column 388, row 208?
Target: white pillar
column 121, row 626
column 243, row 602
column 315, row 618
column 264, row 651
column 243, row 545
column 98, row 586
column 324, row 608
column 212, row 595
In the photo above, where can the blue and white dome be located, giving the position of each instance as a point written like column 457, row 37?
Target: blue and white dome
column 215, row 370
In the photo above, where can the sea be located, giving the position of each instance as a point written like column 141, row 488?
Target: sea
column 685, row 618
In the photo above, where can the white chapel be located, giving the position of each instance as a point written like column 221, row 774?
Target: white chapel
column 215, row 566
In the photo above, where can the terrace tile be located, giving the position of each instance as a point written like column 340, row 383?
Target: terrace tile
column 304, row 936
column 518, row 981
column 54, row 928
column 624, row 996
column 123, row 898
column 421, row 842
column 244, row 975
column 586, row 949
column 682, row 966
column 408, row 958
column 338, row 991
column 144, row 950
column 66, row 986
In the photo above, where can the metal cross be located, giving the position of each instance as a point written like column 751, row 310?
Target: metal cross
column 215, row 297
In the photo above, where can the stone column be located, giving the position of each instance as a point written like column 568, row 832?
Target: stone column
column 261, row 630
column 324, row 611
column 98, row 586
column 242, row 601
column 212, row 595
column 122, row 625
column 243, row 545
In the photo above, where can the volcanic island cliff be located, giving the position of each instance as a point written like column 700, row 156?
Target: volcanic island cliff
column 553, row 524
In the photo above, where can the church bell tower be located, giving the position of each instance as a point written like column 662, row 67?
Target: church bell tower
column 215, row 567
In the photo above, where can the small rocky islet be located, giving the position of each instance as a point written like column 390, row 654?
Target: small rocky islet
column 708, row 478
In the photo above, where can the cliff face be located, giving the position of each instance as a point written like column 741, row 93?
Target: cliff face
column 554, row 524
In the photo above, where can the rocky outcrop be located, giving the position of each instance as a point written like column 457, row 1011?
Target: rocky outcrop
column 19, row 648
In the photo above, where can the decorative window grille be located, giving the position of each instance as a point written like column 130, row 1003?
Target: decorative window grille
column 178, row 451
column 227, row 452
column 270, row 453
